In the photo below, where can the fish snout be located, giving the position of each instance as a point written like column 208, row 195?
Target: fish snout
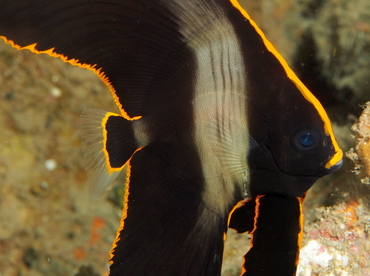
column 336, row 166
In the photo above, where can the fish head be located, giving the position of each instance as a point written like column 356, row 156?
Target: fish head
column 296, row 148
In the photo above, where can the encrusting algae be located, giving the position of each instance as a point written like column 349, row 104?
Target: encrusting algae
column 361, row 153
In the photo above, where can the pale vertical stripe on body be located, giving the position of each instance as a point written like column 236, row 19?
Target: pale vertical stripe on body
column 219, row 102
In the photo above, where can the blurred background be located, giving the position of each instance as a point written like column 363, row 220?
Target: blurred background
column 50, row 227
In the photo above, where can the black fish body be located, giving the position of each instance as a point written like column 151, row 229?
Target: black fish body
column 213, row 121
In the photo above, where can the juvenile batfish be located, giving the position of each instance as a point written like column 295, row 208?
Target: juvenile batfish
column 215, row 129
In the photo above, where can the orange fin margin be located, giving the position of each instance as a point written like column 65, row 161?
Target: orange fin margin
column 98, row 71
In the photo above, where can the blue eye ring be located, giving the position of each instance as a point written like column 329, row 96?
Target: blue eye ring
column 305, row 139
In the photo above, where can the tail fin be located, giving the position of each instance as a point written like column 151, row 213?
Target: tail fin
column 108, row 142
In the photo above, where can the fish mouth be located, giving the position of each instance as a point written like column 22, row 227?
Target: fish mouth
column 336, row 166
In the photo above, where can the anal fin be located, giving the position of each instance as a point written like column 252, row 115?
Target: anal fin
column 166, row 227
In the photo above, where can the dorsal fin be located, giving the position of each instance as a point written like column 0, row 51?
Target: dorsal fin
column 134, row 46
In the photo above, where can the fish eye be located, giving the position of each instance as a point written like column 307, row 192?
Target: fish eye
column 305, row 139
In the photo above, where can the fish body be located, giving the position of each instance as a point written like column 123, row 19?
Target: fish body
column 215, row 129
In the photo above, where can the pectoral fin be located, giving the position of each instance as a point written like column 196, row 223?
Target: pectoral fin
column 108, row 141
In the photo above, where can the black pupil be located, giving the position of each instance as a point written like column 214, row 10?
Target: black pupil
column 307, row 139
